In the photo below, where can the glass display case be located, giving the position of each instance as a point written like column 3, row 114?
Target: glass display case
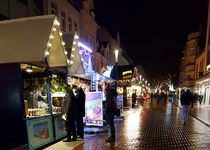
column 35, row 91
column 58, row 92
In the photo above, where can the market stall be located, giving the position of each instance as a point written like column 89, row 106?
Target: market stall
column 33, row 63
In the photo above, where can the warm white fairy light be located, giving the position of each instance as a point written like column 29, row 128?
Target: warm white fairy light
column 66, row 52
column 63, row 43
column 73, row 49
column 56, row 23
column 80, row 53
column 72, row 55
column 60, row 33
column 51, row 37
column 54, row 29
column 76, row 37
column 71, row 62
column 49, row 44
column 74, row 43
column 68, row 61
column 46, row 53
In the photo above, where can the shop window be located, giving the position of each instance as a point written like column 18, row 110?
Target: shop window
column 53, row 8
column 58, row 92
column 63, row 20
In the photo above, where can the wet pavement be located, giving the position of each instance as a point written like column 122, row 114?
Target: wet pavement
column 199, row 111
column 154, row 126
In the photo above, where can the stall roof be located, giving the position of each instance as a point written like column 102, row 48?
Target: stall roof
column 76, row 68
column 27, row 40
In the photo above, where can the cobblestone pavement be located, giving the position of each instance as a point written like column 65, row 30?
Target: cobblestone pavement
column 154, row 126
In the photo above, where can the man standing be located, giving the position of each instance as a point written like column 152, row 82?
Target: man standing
column 70, row 111
column 111, row 95
column 80, row 103
column 186, row 100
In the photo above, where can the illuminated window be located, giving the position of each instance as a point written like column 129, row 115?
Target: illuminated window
column 53, row 8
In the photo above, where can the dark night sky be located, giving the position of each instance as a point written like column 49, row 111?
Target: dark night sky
column 152, row 32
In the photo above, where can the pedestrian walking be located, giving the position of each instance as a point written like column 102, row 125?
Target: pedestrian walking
column 70, row 113
column 186, row 100
column 80, row 103
column 110, row 106
column 134, row 99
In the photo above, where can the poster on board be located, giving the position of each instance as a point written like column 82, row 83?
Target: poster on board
column 93, row 109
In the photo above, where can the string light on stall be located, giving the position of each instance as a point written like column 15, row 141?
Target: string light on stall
column 56, row 22
column 51, row 37
column 76, row 37
column 46, row 53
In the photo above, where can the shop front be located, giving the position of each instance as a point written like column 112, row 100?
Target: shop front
column 202, row 88
column 33, row 63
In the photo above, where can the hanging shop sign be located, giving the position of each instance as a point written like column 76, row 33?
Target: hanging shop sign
column 122, row 72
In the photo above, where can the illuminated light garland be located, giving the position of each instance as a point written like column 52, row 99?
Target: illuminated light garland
column 57, row 23
column 73, row 49
column 72, row 55
column 60, row 33
column 46, row 53
column 76, row 37
column 68, row 61
column 49, row 44
column 51, row 37
column 54, row 29
column 63, row 43
column 66, row 52
column 71, row 62
column 74, row 43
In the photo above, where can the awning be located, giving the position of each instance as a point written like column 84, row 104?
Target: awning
column 32, row 39
column 76, row 68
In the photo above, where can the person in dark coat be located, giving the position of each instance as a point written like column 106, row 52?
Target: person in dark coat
column 186, row 100
column 134, row 99
column 70, row 112
column 80, row 103
column 110, row 105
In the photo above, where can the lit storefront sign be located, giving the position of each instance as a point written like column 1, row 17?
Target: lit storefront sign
column 127, row 74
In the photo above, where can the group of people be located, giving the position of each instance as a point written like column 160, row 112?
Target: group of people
column 74, row 111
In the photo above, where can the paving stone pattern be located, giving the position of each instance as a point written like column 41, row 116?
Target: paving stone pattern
column 154, row 126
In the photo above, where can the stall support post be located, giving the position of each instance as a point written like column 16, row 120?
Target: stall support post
column 49, row 102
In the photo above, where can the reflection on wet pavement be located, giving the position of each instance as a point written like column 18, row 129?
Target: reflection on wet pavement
column 156, row 125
